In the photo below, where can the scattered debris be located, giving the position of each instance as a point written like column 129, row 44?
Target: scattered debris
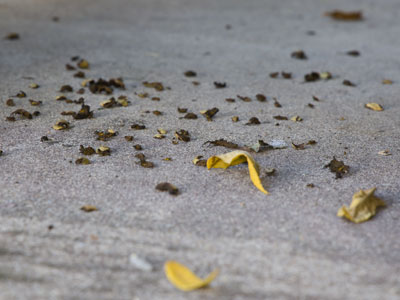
column 82, row 161
column 337, row 167
column 253, row 121
column 10, row 102
column 20, row 94
column 182, row 110
column 244, row 98
column 83, row 64
column 261, row 97
column 66, row 89
column 353, row 53
column 235, row 119
column 138, row 127
column 298, row 146
column 157, row 112
column 310, row 185
column 276, row 103
column 103, row 151
column 79, row 74
column 61, row 125
column 143, row 162
column 234, row 158
column 182, row 135
column 102, row 86
column 86, row 151
column 210, row 113
column 167, row 187
column 296, row 119
column 281, row 118
column 231, row 100
column 184, row 279
column 340, row 15
column 387, row 81
column 35, row 102
column 220, row 85
column 83, row 113
column 198, row 161
column 158, row 86
column 89, row 208
column 299, row 54
column 313, row 76
column 384, row 153
column 34, row 86
column 190, row 116
column 140, row 263
column 12, row 36
column 190, row 73
column 348, row 83
column 138, row 147
column 105, row 135
column 374, row 106
column 363, row 206
column 310, row 105
column 128, row 138
column 270, row 171
column 223, row 143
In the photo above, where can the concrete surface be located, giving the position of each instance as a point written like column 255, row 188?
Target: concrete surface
column 287, row 245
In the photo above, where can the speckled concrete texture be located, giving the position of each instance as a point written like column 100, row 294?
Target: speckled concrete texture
column 286, row 245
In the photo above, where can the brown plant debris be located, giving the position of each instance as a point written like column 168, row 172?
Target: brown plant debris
column 235, row 119
column 22, row 113
column 61, row 125
column 313, row 76
column 223, row 143
column 105, row 135
column 138, row 147
column 337, row 167
column 182, row 135
column 10, row 102
column 198, row 161
column 219, row 85
column 353, row 53
column 102, row 86
column 244, row 98
column 66, row 89
column 34, row 86
column 12, row 36
column 69, row 67
column 35, row 102
column 89, row 208
column 83, row 113
column 138, row 126
column 82, row 161
column 261, row 97
column 310, row 105
column 167, row 187
column 83, row 64
column 128, row 138
column 182, row 110
column 190, row 116
column 86, row 150
column 158, row 86
column 79, row 74
column 210, row 113
column 281, row 118
column 143, row 162
column 300, row 54
column 157, row 112
column 190, row 73
column 253, row 121
column 103, row 151
column 348, row 83
column 340, row 15
column 298, row 146
column 276, row 103
column 231, row 100
column 20, row 94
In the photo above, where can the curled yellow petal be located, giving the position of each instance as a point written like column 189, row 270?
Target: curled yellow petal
column 374, row 106
column 362, row 207
column 234, row 158
column 184, row 279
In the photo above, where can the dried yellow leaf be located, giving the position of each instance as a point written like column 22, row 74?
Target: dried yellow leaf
column 89, row 208
column 374, row 106
column 61, row 125
column 83, row 64
column 296, row 119
column 33, row 85
column 234, row 158
column 161, row 131
column 362, row 207
column 387, row 81
column 184, row 279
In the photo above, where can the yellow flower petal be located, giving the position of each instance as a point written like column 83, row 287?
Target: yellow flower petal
column 184, row 279
column 363, row 206
column 234, row 158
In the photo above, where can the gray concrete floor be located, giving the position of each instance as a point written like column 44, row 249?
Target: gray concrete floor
column 285, row 245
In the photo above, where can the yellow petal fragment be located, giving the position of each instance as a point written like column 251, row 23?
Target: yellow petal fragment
column 234, row 158
column 362, row 207
column 184, row 279
column 374, row 106
column 387, row 81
